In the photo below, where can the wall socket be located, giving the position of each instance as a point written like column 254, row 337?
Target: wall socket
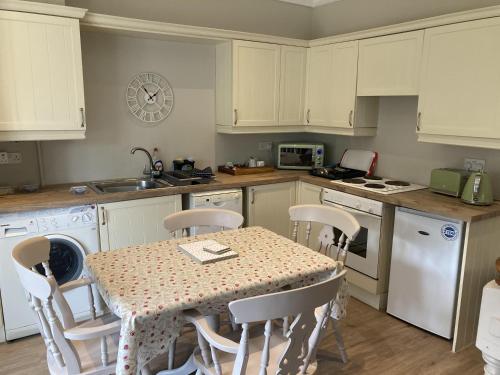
column 474, row 164
column 265, row 146
column 11, row 158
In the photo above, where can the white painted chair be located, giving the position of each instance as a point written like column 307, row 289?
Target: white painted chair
column 202, row 217
column 271, row 351
column 218, row 219
column 340, row 228
column 85, row 348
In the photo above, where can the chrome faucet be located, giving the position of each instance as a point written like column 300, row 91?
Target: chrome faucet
column 152, row 171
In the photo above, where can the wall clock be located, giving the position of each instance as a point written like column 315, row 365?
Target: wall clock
column 149, row 97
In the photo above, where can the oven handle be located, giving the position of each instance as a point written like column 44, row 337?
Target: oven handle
column 352, row 210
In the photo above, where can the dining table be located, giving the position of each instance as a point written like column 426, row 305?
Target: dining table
column 149, row 286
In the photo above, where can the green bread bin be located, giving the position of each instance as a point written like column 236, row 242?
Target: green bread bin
column 448, row 181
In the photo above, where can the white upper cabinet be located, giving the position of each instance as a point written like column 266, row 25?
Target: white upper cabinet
column 343, row 84
column 390, row 65
column 260, row 87
column 292, row 85
column 41, row 79
column 459, row 100
column 319, row 82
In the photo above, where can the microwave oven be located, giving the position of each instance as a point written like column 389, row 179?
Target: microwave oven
column 300, row 155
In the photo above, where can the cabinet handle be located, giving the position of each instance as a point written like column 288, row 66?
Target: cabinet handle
column 235, row 117
column 350, row 117
column 321, row 194
column 252, row 192
column 82, row 111
column 419, row 116
column 103, row 216
column 308, row 116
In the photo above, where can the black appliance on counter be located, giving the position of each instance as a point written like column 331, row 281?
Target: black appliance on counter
column 354, row 163
column 189, row 177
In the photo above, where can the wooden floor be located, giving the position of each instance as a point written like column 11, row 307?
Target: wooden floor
column 376, row 344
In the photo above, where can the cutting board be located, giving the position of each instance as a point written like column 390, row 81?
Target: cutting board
column 238, row 171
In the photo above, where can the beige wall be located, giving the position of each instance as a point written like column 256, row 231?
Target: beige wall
column 258, row 16
column 345, row 16
column 19, row 174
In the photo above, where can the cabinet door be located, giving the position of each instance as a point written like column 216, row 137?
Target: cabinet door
column 256, row 75
column 292, row 85
column 267, row 206
column 309, row 194
column 41, row 80
column 319, row 82
column 460, row 80
column 390, row 65
column 343, row 84
column 135, row 222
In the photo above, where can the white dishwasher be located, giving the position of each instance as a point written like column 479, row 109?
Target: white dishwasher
column 231, row 199
column 425, row 265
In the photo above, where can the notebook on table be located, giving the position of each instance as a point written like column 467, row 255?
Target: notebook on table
column 207, row 251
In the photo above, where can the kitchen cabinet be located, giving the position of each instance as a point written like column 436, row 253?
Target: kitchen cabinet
column 248, row 83
column 343, row 84
column 390, row 65
column 332, row 104
column 459, row 100
column 309, row 194
column 267, row 206
column 135, row 222
column 292, row 85
column 319, row 77
column 41, row 79
column 260, row 87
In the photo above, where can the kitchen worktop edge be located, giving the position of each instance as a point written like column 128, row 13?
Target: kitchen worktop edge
column 58, row 196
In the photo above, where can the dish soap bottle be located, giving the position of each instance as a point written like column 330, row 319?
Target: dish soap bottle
column 157, row 163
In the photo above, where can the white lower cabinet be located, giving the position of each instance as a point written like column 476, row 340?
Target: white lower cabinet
column 267, row 206
column 309, row 194
column 135, row 222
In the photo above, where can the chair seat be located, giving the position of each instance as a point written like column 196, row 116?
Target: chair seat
column 90, row 350
column 276, row 349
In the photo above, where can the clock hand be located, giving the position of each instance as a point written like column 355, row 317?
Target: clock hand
column 147, row 92
column 156, row 93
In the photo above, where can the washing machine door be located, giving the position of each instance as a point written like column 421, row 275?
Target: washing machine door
column 65, row 259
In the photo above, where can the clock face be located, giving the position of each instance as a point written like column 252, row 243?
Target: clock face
column 149, row 97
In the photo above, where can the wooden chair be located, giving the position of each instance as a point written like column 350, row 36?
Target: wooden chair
column 219, row 219
column 89, row 347
column 202, row 217
column 274, row 351
column 340, row 228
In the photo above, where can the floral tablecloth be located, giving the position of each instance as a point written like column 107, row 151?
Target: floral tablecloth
column 149, row 286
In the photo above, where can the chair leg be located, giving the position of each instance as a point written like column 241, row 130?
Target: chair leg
column 340, row 340
column 171, row 354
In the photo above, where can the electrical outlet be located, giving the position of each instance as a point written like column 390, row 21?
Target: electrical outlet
column 4, row 158
column 474, row 164
column 265, row 146
column 15, row 157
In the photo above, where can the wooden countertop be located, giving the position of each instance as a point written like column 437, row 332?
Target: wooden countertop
column 57, row 196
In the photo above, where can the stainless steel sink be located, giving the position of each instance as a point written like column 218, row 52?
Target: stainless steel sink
column 126, row 185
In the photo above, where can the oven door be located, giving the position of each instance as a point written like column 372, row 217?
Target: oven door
column 363, row 252
column 296, row 157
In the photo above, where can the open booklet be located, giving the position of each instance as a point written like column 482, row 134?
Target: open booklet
column 207, row 251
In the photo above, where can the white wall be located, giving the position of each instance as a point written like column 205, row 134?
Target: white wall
column 402, row 157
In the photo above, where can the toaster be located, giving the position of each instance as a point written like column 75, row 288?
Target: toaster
column 448, row 181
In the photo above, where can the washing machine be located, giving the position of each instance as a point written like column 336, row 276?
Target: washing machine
column 73, row 233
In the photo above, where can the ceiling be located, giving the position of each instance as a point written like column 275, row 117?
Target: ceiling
column 309, row 3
